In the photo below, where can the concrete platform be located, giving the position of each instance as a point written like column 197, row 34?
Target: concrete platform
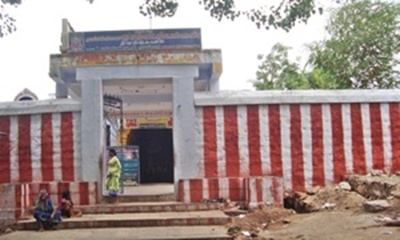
column 157, row 192
column 193, row 218
column 140, row 233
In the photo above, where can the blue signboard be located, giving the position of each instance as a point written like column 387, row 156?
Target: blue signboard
column 130, row 162
column 135, row 40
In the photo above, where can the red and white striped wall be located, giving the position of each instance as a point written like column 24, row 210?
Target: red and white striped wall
column 82, row 193
column 261, row 191
column 40, row 147
column 305, row 144
column 195, row 190
column 254, row 191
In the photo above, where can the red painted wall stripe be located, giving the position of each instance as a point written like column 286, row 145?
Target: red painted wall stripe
column 210, row 142
column 395, row 134
column 18, row 202
column 357, row 137
column 318, row 176
column 339, row 160
column 376, row 136
column 213, row 187
column 47, row 148
column 275, row 140
column 24, row 148
column 296, row 147
column 253, row 128
column 61, row 187
column 259, row 189
column 277, row 195
column 231, row 141
column 83, row 193
column 196, row 190
column 181, row 191
column 5, row 171
column 67, row 147
column 234, row 189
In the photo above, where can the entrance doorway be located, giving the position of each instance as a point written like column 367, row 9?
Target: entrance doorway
column 156, row 154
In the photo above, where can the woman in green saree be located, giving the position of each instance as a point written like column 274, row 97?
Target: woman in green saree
column 113, row 175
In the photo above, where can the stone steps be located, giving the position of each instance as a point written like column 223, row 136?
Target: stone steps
column 167, row 197
column 144, row 207
column 118, row 220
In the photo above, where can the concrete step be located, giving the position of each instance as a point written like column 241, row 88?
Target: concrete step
column 166, row 197
column 192, row 218
column 147, row 207
column 139, row 233
column 144, row 207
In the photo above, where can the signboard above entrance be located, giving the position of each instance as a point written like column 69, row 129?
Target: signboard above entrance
column 162, row 39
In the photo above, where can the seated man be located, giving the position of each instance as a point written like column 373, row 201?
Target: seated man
column 45, row 214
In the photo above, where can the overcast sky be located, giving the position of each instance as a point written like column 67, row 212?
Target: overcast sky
column 24, row 55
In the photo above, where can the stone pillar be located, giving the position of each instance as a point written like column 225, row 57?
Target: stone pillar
column 213, row 85
column 92, row 130
column 183, row 129
column 61, row 90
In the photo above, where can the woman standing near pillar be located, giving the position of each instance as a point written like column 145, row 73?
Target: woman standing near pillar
column 113, row 175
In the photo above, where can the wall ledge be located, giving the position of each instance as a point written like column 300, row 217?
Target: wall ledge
column 295, row 97
column 38, row 107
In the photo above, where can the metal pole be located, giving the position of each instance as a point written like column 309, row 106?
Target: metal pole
column 3, row 134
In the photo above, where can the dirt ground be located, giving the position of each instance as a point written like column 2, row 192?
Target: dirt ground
column 331, row 226
column 283, row 224
column 331, row 213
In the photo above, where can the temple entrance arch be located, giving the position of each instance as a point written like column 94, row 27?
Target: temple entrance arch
column 127, row 64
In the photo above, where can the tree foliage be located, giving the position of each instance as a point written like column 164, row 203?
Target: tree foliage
column 7, row 22
column 360, row 52
column 276, row 71
column 281, row 15
column 362, row 47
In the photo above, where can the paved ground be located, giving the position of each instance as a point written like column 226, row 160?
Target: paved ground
column 212, row 232
column 145, row 216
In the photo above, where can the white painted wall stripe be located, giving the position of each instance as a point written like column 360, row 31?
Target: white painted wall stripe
column 74, row 188
column 92, row 193
column 366, row 126
column 264, row 139
column 307, row 144
column 347, row 142
column 266, row 184
column 243, row 141
column 253, row 190
column 36, row 153
column 186, row 191
column 223, row 184
column 327, row 142
column 14, row 165
column 199, row 141
column 206, row 189
column 221, row 164
column 56, row 125
column 286, row 151
column 76, row 121
column 387, row 139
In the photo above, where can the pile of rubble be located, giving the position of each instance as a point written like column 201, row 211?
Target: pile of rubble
column 374, row 192
column 371, row 193
column 249, row 225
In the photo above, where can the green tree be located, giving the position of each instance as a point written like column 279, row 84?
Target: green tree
column 281, row 15
column 362, row 45
column 276, row 71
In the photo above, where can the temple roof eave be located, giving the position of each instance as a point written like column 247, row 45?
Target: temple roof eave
column 66, row 63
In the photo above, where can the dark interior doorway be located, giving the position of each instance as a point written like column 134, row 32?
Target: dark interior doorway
column 156, row 154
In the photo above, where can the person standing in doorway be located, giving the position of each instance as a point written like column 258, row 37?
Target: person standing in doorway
column 113, row 175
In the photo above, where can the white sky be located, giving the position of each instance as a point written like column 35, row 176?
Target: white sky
column 24, row 55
